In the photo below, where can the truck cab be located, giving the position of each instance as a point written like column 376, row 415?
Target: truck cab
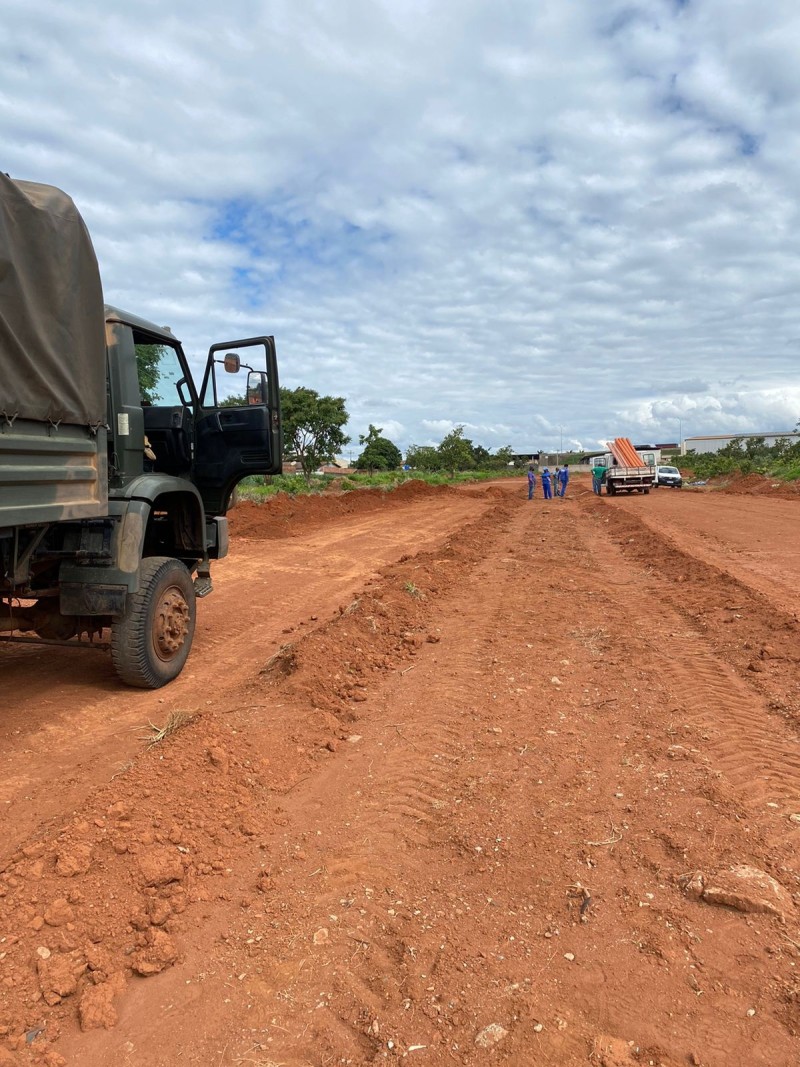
column 212, row 434
column 117, row 468
column 117, row 528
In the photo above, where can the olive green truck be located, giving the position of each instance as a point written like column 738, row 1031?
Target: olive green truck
column 116, row 468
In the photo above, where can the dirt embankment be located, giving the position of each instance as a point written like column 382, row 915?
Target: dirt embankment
column 751, row 485
column 285, row 515
column 527, row 796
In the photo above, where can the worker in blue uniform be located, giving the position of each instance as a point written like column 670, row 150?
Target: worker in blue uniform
column 531, row 483
column 563, row 478
column 547, row 488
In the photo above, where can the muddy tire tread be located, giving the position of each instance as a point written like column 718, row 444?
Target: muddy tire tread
column 130, row 640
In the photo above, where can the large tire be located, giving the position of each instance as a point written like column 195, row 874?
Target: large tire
column 151, row 641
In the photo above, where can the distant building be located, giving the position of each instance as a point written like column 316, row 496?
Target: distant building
column 338, row 467
column 652, row 454
column 715, row 441
column 542, row 459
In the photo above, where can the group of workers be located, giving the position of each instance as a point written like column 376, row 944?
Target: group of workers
column 560, row 476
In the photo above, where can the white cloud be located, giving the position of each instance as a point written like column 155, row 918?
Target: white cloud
column 532, row 220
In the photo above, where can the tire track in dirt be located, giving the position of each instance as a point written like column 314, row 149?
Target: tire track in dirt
column 754, row 750
column 757, row 751
column 403, row 817
column 398, row 815
column 729, row 532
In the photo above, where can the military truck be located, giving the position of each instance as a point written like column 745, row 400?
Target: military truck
column 116, row 468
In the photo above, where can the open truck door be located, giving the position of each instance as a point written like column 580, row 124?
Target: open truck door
column 238, row 427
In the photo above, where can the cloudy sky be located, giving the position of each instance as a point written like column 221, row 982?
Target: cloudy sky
column 537, row 218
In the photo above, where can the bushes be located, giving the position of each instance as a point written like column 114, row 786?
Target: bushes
column 259, row 488
column 754, row 456
column 262, row 488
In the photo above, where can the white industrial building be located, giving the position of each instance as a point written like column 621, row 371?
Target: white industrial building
column 715, row 441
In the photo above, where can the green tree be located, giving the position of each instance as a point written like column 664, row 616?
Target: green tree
column 756, row 448
column 379, row 454
column 423, row 457
column 312, row 427
column 148, row 358
column 233, row 402
column 502, row 458
column 455, row 451
column 733, row 448
column 485, row 460
column 482, row 457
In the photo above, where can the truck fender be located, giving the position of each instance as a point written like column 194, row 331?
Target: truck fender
column 175, row 495
column 131, row 537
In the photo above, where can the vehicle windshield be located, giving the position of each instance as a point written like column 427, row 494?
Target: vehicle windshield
column 669, row 470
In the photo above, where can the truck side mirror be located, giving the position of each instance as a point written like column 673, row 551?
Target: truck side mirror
column 232, row 363
column 257, row 387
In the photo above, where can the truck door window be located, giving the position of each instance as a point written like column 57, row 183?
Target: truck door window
column 160, row 375
column 167, row 415
column 235, row 383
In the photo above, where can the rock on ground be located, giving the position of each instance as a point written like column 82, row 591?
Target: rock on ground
column 96, row 1008
column 157, row 953
column 491, row 1035
column 744, row 888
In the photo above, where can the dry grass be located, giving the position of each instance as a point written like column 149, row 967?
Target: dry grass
column 176, row 720
column 596, row 639
column 283, row 661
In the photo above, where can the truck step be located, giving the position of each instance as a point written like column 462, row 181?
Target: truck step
column 202, row 586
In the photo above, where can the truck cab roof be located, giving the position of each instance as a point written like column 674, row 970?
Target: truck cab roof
column 126, row 318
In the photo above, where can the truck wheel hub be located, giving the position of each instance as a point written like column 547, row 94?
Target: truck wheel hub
column 171, row 623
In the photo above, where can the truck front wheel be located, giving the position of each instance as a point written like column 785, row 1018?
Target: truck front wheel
column 151, row 641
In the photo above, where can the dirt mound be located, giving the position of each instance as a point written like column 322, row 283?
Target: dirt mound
column 285, row 515
column 755, row 485
column 379, row 630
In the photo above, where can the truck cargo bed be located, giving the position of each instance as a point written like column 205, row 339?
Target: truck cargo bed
column 629, row 479
column 49, row 474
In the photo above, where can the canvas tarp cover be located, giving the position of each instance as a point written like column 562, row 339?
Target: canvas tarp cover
column 52, row 330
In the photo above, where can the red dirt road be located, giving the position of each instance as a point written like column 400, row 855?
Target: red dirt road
column 752, row 538
column 69, row 721
column 526, row 791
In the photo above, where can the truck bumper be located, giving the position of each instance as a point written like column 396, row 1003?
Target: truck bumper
column 217, row 537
